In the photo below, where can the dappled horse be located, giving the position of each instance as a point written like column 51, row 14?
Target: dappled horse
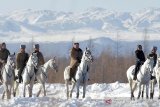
column 157, row 74
column 143, row 77
column 42, row 73
column 28, row 75
column 81, row 74
column 8, row 76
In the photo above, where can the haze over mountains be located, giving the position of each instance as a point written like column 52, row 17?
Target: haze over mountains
column 60, row 28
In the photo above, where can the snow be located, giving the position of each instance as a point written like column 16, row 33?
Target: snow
column 97, row 95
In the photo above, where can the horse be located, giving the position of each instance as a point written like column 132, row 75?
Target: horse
column 28, row 75
column 42, row 74
column 8, row 76
column 143, row 77
column 81, row 74
column 157, row 74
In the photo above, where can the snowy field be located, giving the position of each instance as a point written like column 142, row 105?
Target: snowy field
column 98, row 95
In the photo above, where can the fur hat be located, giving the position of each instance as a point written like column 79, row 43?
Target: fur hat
column 22, row 46
column 36, row 46
column 76, row 43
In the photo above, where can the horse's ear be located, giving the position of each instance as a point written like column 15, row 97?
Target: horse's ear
column 14, row 53
column 87, row 48
column 54, row 58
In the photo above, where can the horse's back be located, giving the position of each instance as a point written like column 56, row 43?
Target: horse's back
column 130, row 71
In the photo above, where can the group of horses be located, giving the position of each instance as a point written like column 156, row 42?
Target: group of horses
column 81, row 77
column 29, row 75
column 144, row 78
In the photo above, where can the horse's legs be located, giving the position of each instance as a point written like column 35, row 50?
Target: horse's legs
column 78, row 83
column 147, row 90
column 151, row 89
column 159, row 87
column 143, row 91
column 130, row 84
column 39, row 91
column 30, row 89
column 16, row 87
column 139, row 90
column 44, row 89
column 67, row 88
column 132, row 88
column 3, row 94
column 73, row 85
column 7, row 91
column 84, row 89
column 24, row 89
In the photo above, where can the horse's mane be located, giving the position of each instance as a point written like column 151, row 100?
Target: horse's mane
column 29, row 60
column 145, row 64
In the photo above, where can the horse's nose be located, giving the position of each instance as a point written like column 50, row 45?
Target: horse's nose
column 14, row 65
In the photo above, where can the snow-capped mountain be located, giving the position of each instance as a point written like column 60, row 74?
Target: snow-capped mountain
column 93, row 18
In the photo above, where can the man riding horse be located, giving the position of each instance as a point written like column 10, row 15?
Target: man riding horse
column 21, row 60
column 154, row 55
column 76, row 55
column 4, row 53
column 140, row 59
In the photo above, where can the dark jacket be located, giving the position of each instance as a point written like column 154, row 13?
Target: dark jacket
column 3, row 56
column 76, row 55
column 40, row 58
column 139, row 56
column 154, row 55
column 21, row 60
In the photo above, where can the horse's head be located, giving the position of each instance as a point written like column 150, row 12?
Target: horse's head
column 53, row 64
column 87, row 55
column 34, row 60
column 150, row 63
column 11, row 61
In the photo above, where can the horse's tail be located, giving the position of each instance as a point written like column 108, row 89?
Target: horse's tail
column 66, row 73
column 130, row 72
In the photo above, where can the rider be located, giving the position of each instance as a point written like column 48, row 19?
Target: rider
column 154, row 55
column 39, row 55
column 21, row 60
column 76, row 55
column 140, row 58
column 4, row 53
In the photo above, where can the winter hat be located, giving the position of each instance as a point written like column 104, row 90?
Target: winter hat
column 36, row 46
column 22, row 46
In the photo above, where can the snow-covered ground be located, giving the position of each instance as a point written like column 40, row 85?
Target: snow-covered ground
column 98, row 95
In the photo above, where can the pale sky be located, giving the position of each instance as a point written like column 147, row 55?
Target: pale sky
column 77, row 5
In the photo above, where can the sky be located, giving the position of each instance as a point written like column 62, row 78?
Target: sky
column 77, row 5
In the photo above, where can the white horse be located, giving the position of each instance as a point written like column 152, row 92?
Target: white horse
column 143, row 77
column 81, row 74
column 8, row 76
column 28, row 75
column 42, row 74
column 157, row 74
